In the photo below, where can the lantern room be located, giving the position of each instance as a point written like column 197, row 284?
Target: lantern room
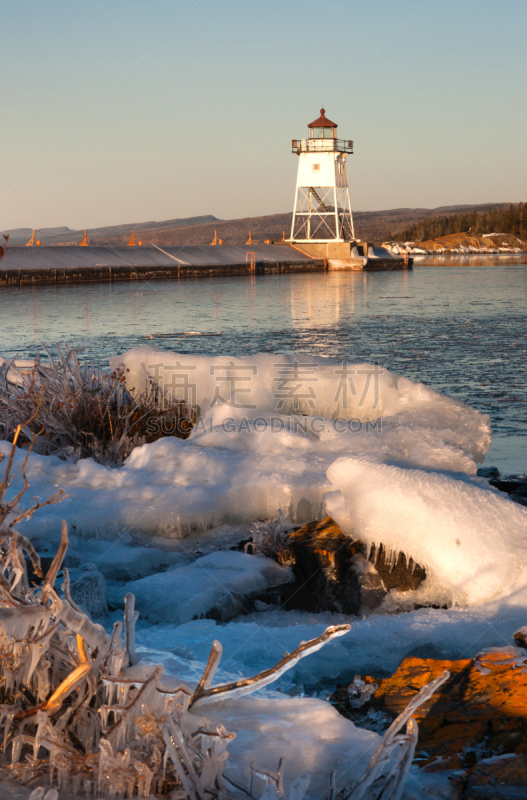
column 322, row 128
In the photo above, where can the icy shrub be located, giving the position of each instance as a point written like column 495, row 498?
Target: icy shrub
column 83, row 411
column 269, row 538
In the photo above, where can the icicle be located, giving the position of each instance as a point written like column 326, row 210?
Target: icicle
column 116, row 653
column 130, row 618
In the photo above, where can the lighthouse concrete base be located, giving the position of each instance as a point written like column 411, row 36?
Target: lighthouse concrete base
column 347, row 263
column 337, row 250
column 343, row 256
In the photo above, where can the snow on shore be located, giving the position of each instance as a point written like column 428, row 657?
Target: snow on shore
column 402, row 472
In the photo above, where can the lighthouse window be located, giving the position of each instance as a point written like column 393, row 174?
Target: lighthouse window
column 321, row 133
column 316, row 167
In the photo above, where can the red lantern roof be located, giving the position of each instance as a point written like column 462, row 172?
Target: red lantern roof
column 322, row 121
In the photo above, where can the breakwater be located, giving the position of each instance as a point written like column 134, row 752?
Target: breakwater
column 23, row 266
column 74, row 264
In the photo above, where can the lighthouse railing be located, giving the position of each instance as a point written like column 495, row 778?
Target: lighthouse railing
column 322, row 145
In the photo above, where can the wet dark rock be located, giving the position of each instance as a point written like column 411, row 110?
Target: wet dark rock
column 334, row 573
column 242, row 546
column 513, row 485
column 508, row 485
column 491, row 473
column 479, row 712
column 520, row 637
column 323, row 565
column 371, row 585
column 498, row 778
column 400, row 574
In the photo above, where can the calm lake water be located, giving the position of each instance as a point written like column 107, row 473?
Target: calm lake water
column 458, row 325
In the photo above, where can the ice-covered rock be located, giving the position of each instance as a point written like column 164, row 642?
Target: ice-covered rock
column 217, row 581
column 304, row 384
column 469, row 537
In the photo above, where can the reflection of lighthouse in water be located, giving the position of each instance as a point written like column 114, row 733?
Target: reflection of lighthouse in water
column 324, row 300
column 322, row 211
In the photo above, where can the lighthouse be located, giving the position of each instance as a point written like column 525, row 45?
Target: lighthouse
column 322, row 210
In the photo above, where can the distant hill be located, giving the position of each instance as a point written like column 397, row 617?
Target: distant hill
column 23, row 235
column 505, row 219
column 369, row 225
column 65, row 235
column 232, row 231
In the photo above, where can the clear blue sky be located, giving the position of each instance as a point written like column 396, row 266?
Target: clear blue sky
column 115, row 111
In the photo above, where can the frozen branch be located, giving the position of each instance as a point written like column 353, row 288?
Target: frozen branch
column 130, row 618
column 392, row 760
column 245, row 686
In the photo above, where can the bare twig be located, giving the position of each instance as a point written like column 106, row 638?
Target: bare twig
column 57, row 562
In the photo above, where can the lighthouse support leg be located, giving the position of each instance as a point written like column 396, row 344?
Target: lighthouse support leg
column 337, row 215
column 348, row 198
column 294, row 216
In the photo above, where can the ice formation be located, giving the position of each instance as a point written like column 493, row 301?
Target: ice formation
column 196, row 588
column 423, row 427
column 469, row 537
column 110, row 727
column 81, row 711
column 89, row 590
column 273, row 452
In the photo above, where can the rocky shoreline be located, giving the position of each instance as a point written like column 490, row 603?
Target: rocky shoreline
column 461, row 244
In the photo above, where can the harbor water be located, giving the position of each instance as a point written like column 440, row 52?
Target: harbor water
column 457, row 324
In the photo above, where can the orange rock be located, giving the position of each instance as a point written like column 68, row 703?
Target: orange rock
column 483, row 703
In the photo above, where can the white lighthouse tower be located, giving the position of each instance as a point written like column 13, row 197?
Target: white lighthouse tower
column 322, row 211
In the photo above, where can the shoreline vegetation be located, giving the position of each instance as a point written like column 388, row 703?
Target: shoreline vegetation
column 500, row 230
column 461, row 244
